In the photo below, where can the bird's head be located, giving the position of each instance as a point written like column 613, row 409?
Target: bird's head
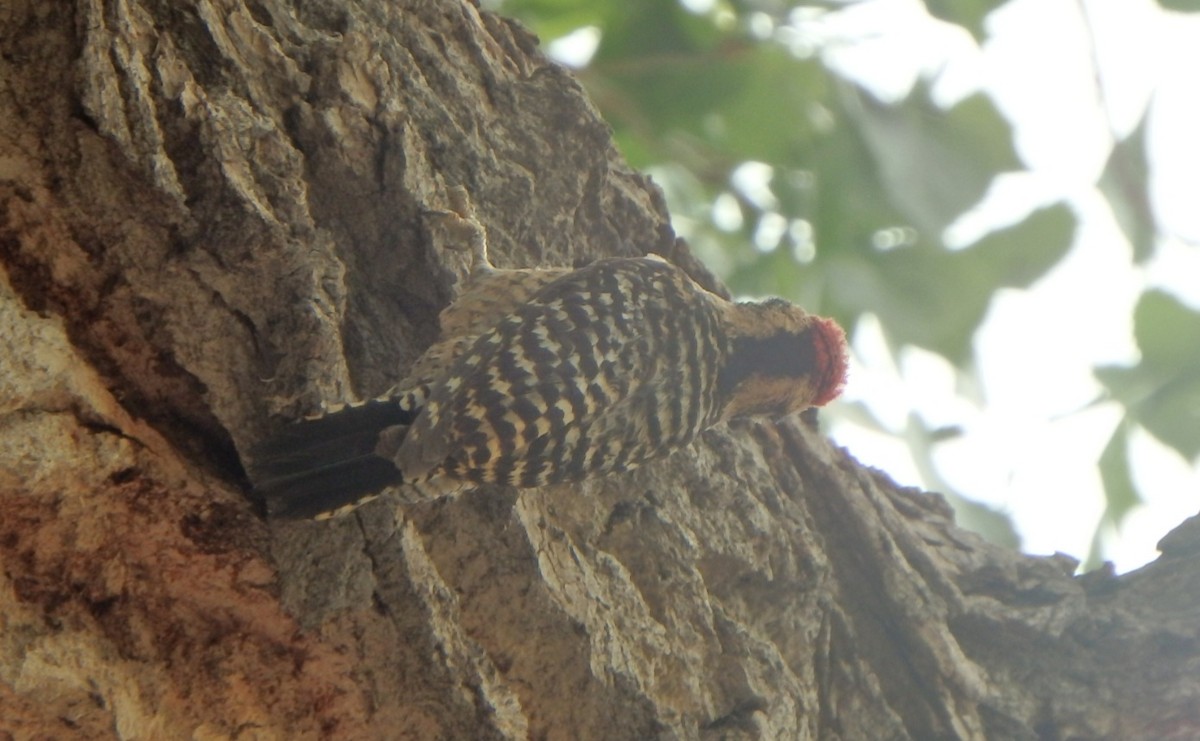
column 782, row 360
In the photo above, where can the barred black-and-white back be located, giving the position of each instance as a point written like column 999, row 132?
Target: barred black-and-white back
column 603, row 369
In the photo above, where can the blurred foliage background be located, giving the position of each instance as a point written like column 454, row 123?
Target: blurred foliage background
column 792, row 174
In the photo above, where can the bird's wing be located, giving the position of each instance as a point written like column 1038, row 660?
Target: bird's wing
column 489, row 296
column 527, row 389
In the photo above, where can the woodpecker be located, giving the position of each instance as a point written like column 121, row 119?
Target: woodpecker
column 556, row 375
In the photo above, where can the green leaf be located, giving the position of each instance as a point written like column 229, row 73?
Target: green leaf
column 1167, row 333
column 936, row 298
column 848, row 201
column 1120, row 491
column 770, row 117
column 689, row 92
column 1183, row 6
column 967, row 13
column 1018, row 255
column 1162, row 392
column 935, row 164
column 1172, row 412
column 1126, row 185
column 997, row 527
column 660, row 67
column 553, row 19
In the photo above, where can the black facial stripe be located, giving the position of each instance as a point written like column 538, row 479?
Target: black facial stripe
column 783, row 355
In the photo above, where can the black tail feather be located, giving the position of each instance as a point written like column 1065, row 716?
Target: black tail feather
column 318, row 466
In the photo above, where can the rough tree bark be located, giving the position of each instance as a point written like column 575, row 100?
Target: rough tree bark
column 209, row 216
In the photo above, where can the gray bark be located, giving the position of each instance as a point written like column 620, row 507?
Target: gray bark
column 210, row 218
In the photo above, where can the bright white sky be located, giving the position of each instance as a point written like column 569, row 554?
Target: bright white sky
column 1030, row 449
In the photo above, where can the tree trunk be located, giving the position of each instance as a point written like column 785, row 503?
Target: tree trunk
column 210, row 217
